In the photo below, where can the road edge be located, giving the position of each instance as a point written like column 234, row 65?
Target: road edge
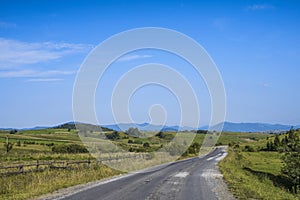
column 69, row 191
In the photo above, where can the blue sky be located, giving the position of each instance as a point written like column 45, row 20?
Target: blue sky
column 255, row 45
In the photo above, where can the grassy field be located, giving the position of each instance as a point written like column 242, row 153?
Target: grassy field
column 32, row 145
column 24, row 186
column 256, row 175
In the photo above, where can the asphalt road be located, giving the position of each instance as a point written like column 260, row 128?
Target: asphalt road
column 196, row 178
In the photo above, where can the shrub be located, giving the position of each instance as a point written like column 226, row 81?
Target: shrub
column 161, row 135
column 146, row 145
column 69, row 148
column 130, row 141
column 202, row 131
column 8, row 146
column 50, row 144
column 194, row 148
column 249, row 148
column 18, row 143
column 113, row 136
column 165, row 136
column 29, row 142
column 13, row 131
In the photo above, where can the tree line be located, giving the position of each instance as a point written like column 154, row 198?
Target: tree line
column 289, row 145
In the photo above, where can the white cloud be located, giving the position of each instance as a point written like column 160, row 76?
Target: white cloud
column 18, row 73
column 32, row 73
column 7, row 25
column 45, row 80
column 133, row 57
column 266, row 85
column 56, row 72
column 14, row 53
column 260, row 7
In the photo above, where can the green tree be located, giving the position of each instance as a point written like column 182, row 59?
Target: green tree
column 146, row 145
column 293, row 141
column 13, row 131
column 113, row 136
column 291, row 159
column 249, row 148
column 8, row 145
column 292, row 168
column 194, row 148
column 269, row 146
column 277, row 143
column 284, row 141
column 202, row 131
column 160, row 135
column 130, row 141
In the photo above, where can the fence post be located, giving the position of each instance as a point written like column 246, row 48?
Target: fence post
column 21, row 168
column 89, row 162
column 37, row 165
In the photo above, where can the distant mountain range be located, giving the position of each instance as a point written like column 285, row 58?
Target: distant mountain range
column 228, row 126
column 147, row 127
column 253, row 127
column 25, row 129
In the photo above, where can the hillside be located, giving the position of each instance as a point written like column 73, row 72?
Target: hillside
column 256, row 170
column 81, row 126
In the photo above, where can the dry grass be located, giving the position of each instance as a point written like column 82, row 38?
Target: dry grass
column 31, row 185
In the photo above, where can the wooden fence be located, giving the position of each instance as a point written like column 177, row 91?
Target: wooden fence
column 43, row 165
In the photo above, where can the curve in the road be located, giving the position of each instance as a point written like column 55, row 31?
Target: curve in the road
column 196, row 178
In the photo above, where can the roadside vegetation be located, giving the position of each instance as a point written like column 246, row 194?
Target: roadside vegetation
column 265, row 169
column 29, row 185
column 63, row 143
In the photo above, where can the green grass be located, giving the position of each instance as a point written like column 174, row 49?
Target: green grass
column 246, row 138
column 255, row 175
column 34, row 184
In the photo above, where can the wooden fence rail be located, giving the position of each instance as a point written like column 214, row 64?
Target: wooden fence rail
column 40, row 166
